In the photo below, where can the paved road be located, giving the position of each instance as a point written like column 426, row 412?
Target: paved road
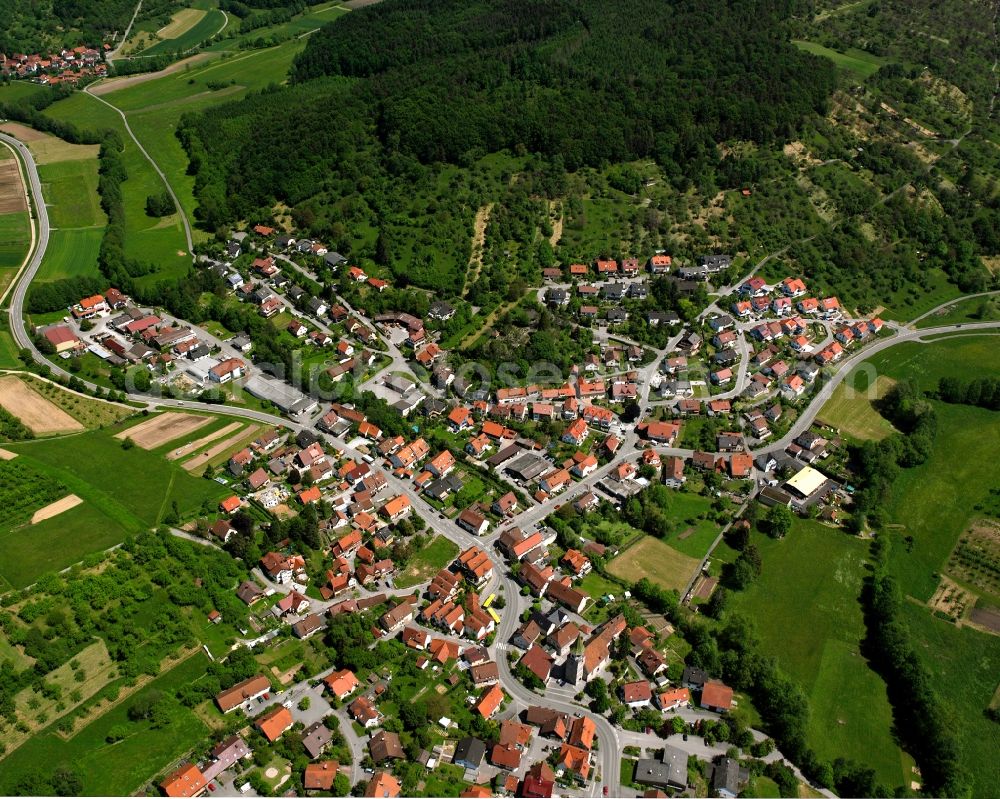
column 612, row 740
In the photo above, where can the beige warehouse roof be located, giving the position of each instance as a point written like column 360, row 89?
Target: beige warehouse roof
column 806, row 481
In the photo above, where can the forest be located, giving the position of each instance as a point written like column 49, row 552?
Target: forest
column 386, row 99
column 46, row 24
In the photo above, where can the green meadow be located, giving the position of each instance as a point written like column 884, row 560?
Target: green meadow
column 124, row 491
column 160, row 241
column 71, row 253
column 15, row 236
column 805, row 607
column 71, row 189
column 858, row 63
column 203, row 29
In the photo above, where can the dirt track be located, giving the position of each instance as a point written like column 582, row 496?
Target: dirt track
column 114, row 84
column 55, row 508
column 36, row 412
column 194, row 446
column 159, row 430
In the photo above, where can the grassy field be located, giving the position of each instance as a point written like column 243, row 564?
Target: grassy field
column 935, row 502
column 438, row 553
column 656, row 560
column 973, row 309
column 188, row 33
column 160, row 241
column 71, row 187
column 806, row 611
column 952, row 356
column 122, row 768
column 155, row 108
column 54, row 544
column 858, row 63
column 965, row 665
column 71, row 253
column 15, row 235
column 694, row 534
column 851, row 410
column 124, row 491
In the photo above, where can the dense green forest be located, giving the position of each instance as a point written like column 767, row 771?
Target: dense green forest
column 386, row 95
column 36, row 25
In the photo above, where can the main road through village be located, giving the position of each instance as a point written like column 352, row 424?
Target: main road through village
column 611, row 739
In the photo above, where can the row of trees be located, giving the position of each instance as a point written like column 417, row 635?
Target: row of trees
column 981, row 391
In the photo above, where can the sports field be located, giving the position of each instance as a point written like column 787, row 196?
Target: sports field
column 657, row 561
column 805, row 607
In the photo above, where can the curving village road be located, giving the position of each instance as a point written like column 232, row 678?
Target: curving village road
column 611, row 739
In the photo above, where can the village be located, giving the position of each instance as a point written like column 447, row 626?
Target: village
column 68, row 66
column 501, row 618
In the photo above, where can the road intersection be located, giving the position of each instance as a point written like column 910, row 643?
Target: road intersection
column 612, row 740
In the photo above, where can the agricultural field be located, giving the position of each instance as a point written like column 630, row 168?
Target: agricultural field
column 975, row 560
column 805, row 607
column 187, row 29
column 118, row 769
column 154, row 108
column 35, row 412
column 160, row 241
column 33, row 544
column 15, row 230
column 161, row 429
column 72, row 186
column 933, row 504
column 89, row 412
column 435, row 555
column 123, row 491
column 657, row 561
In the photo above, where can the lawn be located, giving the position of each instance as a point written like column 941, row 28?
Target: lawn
column 806, row 610
column 965, row 668
column 122, row 768
column 694, row 534
column 858, row 63
column 851, row 410
column 437, row 554
column 657, row 561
